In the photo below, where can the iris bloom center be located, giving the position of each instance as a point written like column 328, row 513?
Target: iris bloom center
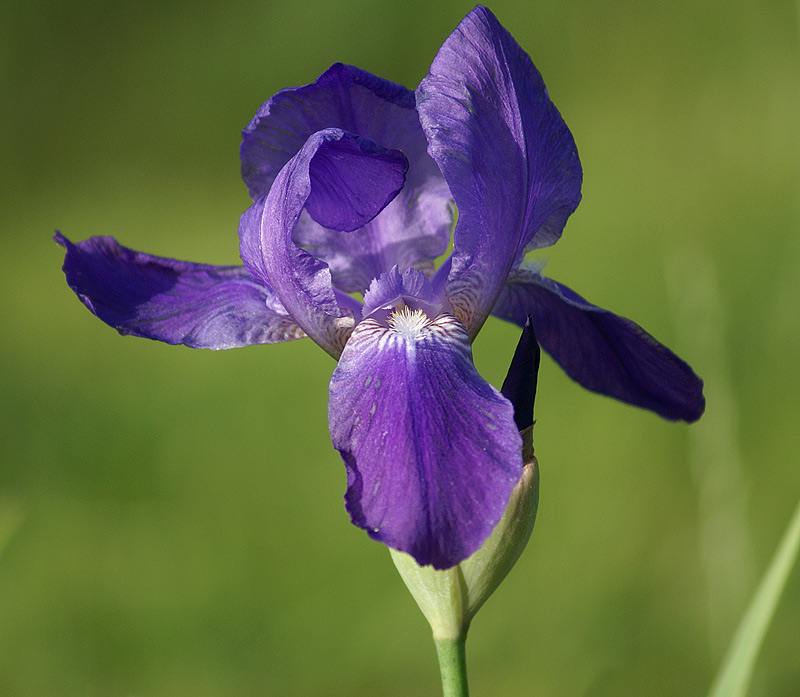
column 410, row 324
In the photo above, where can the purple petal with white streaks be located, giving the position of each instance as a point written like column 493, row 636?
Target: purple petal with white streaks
column 431, row 449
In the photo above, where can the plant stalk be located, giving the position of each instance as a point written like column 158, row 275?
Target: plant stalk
column 453, row 666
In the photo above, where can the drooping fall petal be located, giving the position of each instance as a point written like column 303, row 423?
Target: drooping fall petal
column 602, row 351
column 178, row 302
column 431, row 449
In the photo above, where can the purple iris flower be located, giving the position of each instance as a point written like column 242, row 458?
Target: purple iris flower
column 354, row 182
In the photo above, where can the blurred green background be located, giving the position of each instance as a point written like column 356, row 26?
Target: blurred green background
column 171, row 520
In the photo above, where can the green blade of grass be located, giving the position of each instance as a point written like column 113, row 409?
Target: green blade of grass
column 737, row 668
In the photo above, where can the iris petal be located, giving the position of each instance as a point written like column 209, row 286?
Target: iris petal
column 413, row 230
column 342, row 97
column 603, row 352
column 431, row 449
column 354, row 181
column 413, row 289
column 178, row 302
column 506, row 153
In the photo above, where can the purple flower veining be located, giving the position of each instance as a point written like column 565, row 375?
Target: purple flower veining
column 354, row 182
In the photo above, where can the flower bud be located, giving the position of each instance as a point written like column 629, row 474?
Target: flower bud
column 450, row 598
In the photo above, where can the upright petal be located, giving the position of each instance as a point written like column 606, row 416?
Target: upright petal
column 414, row 229
column 201, row 306
column 431, row 449
column 343, row 181
column 342, row 97
column 602, row 351
column 506, row 153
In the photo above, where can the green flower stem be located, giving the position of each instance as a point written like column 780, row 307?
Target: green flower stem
column 453, row 666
